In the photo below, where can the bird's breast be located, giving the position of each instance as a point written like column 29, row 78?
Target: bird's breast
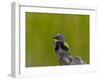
column 61, row 52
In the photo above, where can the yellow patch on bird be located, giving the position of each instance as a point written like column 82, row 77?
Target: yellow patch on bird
column 66, row 44
column 55, row 40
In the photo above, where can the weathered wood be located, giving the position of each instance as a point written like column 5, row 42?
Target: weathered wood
column 70, row 60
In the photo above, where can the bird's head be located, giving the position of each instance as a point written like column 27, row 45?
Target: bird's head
column 59, row 37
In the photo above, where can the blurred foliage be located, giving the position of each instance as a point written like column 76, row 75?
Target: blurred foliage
column 40, row 29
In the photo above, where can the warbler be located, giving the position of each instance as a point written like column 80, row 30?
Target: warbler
column 61, row 47
column 63, row 51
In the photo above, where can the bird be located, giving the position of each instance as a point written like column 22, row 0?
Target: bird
column 61, row 47
column 63, row 51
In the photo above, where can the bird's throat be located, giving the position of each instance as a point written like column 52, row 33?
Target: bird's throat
column 55, row 40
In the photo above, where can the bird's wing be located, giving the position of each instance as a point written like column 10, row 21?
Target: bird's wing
column 66, row 44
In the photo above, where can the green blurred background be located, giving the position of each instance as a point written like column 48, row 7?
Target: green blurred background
column 40, row 29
